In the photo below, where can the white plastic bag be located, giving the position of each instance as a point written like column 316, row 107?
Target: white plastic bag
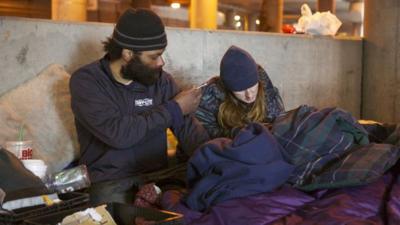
column 324, row 23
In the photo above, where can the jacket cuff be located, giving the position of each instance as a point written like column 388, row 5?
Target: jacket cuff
column 176, row 113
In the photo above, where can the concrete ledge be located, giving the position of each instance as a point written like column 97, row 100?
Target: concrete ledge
column 319, row 71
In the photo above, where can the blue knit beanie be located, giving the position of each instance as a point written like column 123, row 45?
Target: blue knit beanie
column 238, row 70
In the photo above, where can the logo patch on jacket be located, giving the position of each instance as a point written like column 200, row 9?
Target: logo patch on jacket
column 144, row 102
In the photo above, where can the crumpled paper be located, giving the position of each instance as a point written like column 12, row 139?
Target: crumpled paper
column 90, row 216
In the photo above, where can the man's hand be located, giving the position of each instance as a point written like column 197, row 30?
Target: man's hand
column 188, row 100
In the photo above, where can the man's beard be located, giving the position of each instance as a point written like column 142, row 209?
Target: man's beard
column 135, row 70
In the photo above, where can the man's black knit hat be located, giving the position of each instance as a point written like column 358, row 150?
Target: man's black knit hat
column 140, row 30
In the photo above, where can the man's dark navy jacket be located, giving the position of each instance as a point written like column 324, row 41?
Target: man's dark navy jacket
column 122, row 128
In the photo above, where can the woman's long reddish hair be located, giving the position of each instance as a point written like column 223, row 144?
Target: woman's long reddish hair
column 233, row 113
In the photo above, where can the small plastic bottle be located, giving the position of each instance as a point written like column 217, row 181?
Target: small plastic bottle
column 68, row 180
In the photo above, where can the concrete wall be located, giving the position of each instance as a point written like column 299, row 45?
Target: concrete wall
column 381, row 86
column 319, row 71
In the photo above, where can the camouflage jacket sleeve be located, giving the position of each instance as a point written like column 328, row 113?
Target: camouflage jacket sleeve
column 207, row 112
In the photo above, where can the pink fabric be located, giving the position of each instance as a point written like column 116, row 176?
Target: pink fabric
column 147, row 197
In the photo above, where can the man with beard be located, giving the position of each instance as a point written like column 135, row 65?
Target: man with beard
column 123, row 105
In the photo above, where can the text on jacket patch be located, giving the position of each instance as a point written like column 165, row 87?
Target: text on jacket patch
column 144, row 102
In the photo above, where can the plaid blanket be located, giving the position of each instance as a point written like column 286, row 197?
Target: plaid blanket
column 330, row 149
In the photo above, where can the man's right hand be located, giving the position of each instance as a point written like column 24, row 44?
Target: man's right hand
column 188, row 100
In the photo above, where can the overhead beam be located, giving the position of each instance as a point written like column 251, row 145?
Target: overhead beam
column 141, row 4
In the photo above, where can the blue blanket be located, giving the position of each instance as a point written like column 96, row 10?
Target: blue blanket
column 224, row 169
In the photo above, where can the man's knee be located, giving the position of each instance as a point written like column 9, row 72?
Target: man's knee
column 122, row 191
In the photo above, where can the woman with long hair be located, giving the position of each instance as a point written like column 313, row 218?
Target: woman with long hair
column 242, row 93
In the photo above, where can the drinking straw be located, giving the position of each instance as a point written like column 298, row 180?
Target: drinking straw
column 21, row 132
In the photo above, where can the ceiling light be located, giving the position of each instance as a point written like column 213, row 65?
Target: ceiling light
column 175, row 5
column 236, row 17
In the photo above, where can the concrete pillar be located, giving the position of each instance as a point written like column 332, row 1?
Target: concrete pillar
column 381, row 76
column 356, row 7
column 69, row 10
column 326, row 5
column 246, row 22
column 253, row 26
column 271, row 16
column 229, row 19
column 203, row 14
